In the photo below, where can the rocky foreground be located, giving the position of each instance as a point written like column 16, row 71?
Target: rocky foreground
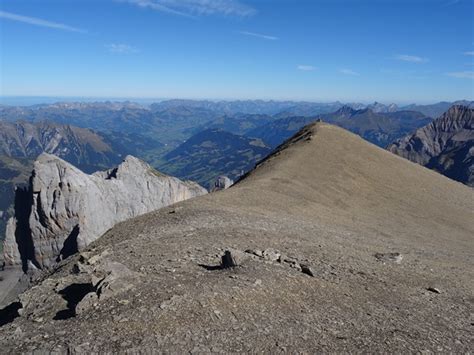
column 329, row 245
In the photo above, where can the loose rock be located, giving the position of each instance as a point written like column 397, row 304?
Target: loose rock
column 305, row 269
column 393, row 257
column 271, row 254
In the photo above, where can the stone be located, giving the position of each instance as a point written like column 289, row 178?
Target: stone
column 227, row 260
column 89, row 301
column 66, row 209
column 239, row 256
column 255, row 252
column 434, row 290
column 271, row 254
column 394, row 257
column 305, row 269
column 117, row 279
column 291, row 262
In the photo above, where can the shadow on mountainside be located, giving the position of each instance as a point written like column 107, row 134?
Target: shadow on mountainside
column 23, row 203
column 70, row 246
column 9, row 313
column 73, row 294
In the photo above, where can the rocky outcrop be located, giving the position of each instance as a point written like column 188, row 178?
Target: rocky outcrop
column 63, row 209
column 445, row 145
column 222, row 183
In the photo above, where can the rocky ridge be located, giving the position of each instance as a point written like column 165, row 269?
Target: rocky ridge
column 63, row 209
column 445, row 145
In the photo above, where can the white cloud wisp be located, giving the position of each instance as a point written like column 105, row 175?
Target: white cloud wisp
column 39, row 22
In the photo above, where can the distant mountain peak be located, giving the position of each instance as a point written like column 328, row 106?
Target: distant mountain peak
column 457, row 109
column 346, row 110
column 445, row 145
column 378, row 107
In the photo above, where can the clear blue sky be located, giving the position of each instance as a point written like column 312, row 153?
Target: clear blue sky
column 319, row 50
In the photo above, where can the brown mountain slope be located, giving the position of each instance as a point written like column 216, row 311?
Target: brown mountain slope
column 334, row 207
column 81, row 147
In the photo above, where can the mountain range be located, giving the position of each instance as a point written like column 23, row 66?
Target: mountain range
column 166, row 124
column 169, row 135
column 437, row 109
column 331, row 244
column 445, row 145
column 80, row 146
column 378, row 128
column 250, row 106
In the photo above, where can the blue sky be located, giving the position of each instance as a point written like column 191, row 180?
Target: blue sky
column 319, row 50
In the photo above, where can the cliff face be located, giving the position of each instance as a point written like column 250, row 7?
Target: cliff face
column 63, row 209
column 445, row 145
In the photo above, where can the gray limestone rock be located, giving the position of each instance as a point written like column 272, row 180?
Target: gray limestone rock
column 271, row 254
column 64, row 209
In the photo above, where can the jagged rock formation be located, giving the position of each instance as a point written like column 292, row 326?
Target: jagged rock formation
column 63, row 209
column 21, row 142
column 437, row 109
column 445, row 145
column 336, row 247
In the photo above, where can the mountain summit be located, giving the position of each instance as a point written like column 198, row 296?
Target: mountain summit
column 331, row 244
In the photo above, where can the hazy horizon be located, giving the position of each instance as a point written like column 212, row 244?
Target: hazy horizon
column 48, row 100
